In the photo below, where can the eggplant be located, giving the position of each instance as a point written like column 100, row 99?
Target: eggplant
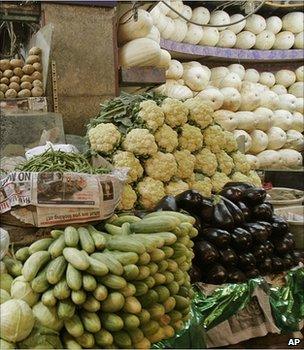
column 228, row 257
column 234, row 194
column 193, row 202
column 241, row 239
column 288, row 261
column 253, row 273
column 262, row 212
column 259, row 252
column 267, row 225
column 205, row 252
column 167, row 203
column 222, row 217
column 245, row 210
column 217, row 274
column 277, row 264
column 298, row 256
column 235, row 211
column 269, row 247
column 236, row 276
column 279, row 226
column 220, row 238
column 254, row 196
column 241, row 185
column 265, row 266
column 258, row 232
column 195, row 274
column 283, row 245
column 247, row 261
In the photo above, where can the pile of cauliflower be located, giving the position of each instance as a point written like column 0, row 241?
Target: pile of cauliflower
column 178, row 147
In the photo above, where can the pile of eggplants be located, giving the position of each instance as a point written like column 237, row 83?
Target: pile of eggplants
column 239, row 238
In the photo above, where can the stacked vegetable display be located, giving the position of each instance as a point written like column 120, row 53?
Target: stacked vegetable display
column 126, row 287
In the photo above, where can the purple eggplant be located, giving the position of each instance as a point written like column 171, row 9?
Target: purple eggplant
column 236, row 276
column 269, row 247
column 247, row 261
column 265, row 266
column 235, row 211
column 193, row 202
column 258, row 232
column 288, row 261
column 279, row 226
column 241, row 239
column 277, row 264
column 253, row 273
column 220, row 238
column 267, row 225
column 205, row 252
column 167, row 203
column 283, row 245
column 216, row 274
column 228, row 257
column 245, row 210
column 259, row 252
column 222, row 217
column 262, row 212
column 234, row 194
column 241, row 185
column 254, row 196
column 195, row 274
column 298, row 256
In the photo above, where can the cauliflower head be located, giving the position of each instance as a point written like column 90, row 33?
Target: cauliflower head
column 185, row 163
column 200, row 112
column 140, row 142
column 205, row 162
column 166, row 138
column 214, row 138
column 254, row 178
column 128, row 198
column 174, row 188
column 104, row 137
column 150, row 192
column 128, row 160
column 219, row 180
column 225, row 162
column 241, row 163
column 202, row 184
column 190, row 138
column 238, row 176
column 151, row 114
column 176, row 113
column 230, row 142
column 162, row 166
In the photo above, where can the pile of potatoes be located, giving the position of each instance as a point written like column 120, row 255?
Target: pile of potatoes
column 22, row 79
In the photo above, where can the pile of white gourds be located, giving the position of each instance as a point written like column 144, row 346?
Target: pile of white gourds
column 265, row 108
column 255, row 32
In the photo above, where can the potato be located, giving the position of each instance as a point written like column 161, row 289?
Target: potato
column 32, row 59
column 1, row 95
column 0, row 74
column 28, row 69
column 36, row 76
column 15, row 62
column 3, row 87
column 37, row 66
column 26, row 85
column 26, row 78
column 35, row 51
column 37, row 91
column 4, row 80
column 15, row 79
column 4, row 65
column 18, row 71
column 24, row 93
column 37, row 83
column 8, row 73
column 14, row 86
column 11, row 93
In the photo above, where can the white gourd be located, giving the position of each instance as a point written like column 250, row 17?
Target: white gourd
column 214, row 97
column 238, row 69
column 299, row 72
column 175, row 70
column 291, row 158
column 282, row 119
column 237, row 28
column 276, row 138
column 267, row 78
column 279, row 89
column 263, row 118
column 253, row 161
column 293, row 22
column 134, row 28
column 218, row 74
column 187, row 11
column 288, row 102
column 161, row 22
column 200, row 15
column 226, row 39
column 255, row 24
column 245, row 120
column 196, row 78
column 154, row 34
column 259, row 141
column 165, row 58
column 300, row 105
column 169, row 29
column 242, row 134
column 252, row 75
column 191, row 64
column 178, row 6
column 231, row 80
column 274, row 24
column 251, row 99
column 297, row 121
column 285, row 77
column 245, row 40
column 163, row 89
column 207, row 71
column 139, row 52
column 180, row 92
column 268, row 159
column 219, row 18
column 261, row 88
column 180, row 30
column 210, row 37
column 163, row 8
column 284, row 41
column 297, row 89
column 225, row 119
column 194, row 34
column 264, row 40
column 232, row 99
column 155, row 13
column 270, row 99
column 299, row 41
column 295, row 140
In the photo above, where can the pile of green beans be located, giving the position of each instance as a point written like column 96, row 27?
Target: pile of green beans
column 58, row 161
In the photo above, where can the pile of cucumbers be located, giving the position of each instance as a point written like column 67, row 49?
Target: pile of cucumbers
column 126, row 286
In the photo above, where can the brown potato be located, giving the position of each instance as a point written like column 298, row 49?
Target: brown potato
column 3, row 87
column 4, row 80
column 28, row 69
column 26, row 85
column 8, row 73
column 37, row 66
column 0, row 74
column 24, row 93
column 4, row 65
column 37, row 91
column 38, row 83
column 36, row 76
column 1, row 95
column 35, row 51
column 15, row 62
column 26, row 78
column 11, row 93
column 14, row 86
column 18, row 71
column 15, row 79
column 32, row 59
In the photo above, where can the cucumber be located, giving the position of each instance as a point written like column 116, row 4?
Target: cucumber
column 110, row 261
column 128, row 290
column 125, row 229
column 136, row 335
column 65, row 309
column 131, row 322
column 126, row 258
column 148, row 299
column 131, row 272
column 73, row 278
column 91, row 304
column 182, row 217
column 162, row 292
column 113, row 303
column 169, row 276
column 86, row 340
column 61, row 290
column 159, row 278
column 119, row 221
column 90, row 321
column 33, row 264
column 48, row 298
column 141, row 288
column 56, row 233
column 157, row 255
column 150, row 328
column 71, row 236
column 158, row 224
column 153, row 267
column 172, row 265
column 173, row 287
column 169, row 237
column 175, row 316
column 99, row 238
column 100, row 293
column 103, row 338
column 150, row 241
column 122, row 340
column 76, row 258
column 70, row 343
column 113, row 230
column 150, row 281
column 86, row 241
column 78, row 297
column 144, row 272
column 114, row 282
column 144, row 316
column 162, row 266
column 144, row 259
column 22, row 254
column 40, row 283
column 56, row 248
column 111, row 322
column 41, row 244
column 97, row 268
column 132, row 305
column 143, row 344
column 168, row 251
column 89, row 283
column 13, row 266
column 74, row 326
column 125, row 245
column 169, row 304
column 181, row 302
column 56, row 269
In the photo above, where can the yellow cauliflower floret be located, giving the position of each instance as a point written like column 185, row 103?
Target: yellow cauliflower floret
column 162, row 166
column 205, row 162
column 150, row 192
column 185, row 163
column 176, row 113
column 241, row 163
column 151, row 114
column 190, row 138
column 237, row 176
column 199, row 112
column 254, row 178
column 127, row 159
column 128, row 198
column 104, row 137
column 140, row 142
column 202, row 184
column 166, row 138
column 214, row 138
column 225, row 162
column 230, row 142
column 219, row 180
column 176, row 187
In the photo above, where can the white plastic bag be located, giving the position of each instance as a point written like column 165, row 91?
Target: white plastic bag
column 57, row 147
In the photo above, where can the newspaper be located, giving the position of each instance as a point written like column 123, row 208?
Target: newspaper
column 61, row 198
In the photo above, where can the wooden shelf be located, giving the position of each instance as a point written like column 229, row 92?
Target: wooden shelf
column 142, row 76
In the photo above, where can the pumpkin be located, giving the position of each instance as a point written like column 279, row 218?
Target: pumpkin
column 213, row 96
column 297, row 89
column 268, row 159
column 255, row 24
column 225, row 119
column 299, row 41
column 285, row 77
column 282, row 119
column 276, row 138
column 253, row 161
column 194, row 34
column 179, row 92
column 263, row 118
column 284, row 41
column 295, row 140
column 232, row 99
column 210, row 36
column 180, row 30
column 297, row 121
column 231, row 80
column 218, row 74
column 175, row 70
column 269, row 99
column 274, row 24
column 245, row 40
column 237, row 28
column 196, row 78
column 243, row 135
column 219, row 18
column 200, row 15
column 154, row 34
column 299, row 72
column 169, row 29
column 267, row 78
column 245, row 120
column 291, row 158
column 259, row 141
column 238, row 69
column 293, row 22
column 252, row 75
column 165, row 59
column 226, row 39
column 288, row 102
column 264, row 40
column 279, row 89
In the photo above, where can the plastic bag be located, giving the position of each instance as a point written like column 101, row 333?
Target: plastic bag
column 4, row 242
column 56, row 147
